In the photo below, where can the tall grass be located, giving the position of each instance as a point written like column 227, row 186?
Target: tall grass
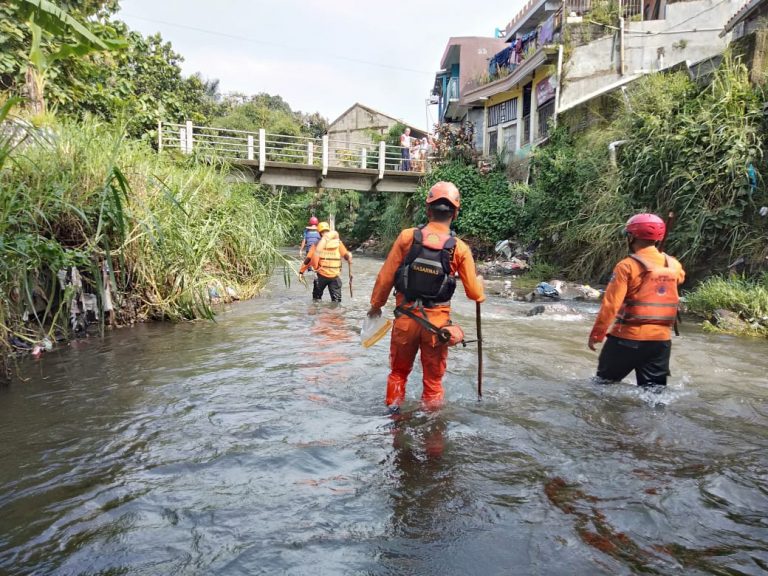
column 746, row 297
column 164, row 232
column 687, row 149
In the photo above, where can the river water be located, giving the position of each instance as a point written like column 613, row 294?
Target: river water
column 259, row 445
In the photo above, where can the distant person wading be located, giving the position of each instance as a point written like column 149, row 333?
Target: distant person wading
column 309, row 238
column 325, row 258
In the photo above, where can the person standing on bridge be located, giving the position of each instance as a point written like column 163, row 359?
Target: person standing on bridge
column 325, row 258
column 421, row 267
column 641, row 301
column 405, row 150
column 309, row 238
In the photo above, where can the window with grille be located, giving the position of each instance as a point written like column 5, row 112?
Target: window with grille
column 502, row 112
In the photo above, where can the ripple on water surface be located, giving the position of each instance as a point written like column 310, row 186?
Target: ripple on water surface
column 258, row 445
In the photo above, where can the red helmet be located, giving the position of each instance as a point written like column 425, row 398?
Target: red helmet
column 646, row 227
column 444, row 191
column 313, row 221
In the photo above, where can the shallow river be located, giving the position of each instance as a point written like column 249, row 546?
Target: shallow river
column 258, row 445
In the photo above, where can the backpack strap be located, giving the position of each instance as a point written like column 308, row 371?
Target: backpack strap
column 416, row 245
column 447, row 253
column 642, row 262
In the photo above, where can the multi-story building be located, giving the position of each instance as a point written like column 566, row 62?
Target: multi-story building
column 462, row 67
column 560, row 55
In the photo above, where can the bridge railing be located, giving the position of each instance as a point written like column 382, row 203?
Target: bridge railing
column 285, row 148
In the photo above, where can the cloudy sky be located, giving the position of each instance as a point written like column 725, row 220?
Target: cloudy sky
column 321, row 55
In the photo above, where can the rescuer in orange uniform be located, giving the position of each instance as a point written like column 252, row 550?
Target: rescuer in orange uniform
column 642, row 298
column 325, row 258
column 421, row 266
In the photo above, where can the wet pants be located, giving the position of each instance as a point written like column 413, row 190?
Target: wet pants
column 333, row 284
column 648, row 358
column 408, row 338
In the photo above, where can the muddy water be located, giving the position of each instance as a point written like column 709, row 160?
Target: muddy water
column 259, row 445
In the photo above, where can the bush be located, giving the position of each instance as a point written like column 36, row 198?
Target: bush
column 489, row 209
column 747, row 297
column 687, row 150
column 164, row 232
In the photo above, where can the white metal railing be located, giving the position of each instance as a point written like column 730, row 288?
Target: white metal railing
column 263, row 147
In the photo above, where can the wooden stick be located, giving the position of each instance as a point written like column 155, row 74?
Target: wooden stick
column 479, row 352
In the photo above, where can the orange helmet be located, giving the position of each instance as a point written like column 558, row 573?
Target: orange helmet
column 444, row 191
column 323, row 227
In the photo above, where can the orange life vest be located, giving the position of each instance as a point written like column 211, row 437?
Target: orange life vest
column 329, row 252
column 656, row 300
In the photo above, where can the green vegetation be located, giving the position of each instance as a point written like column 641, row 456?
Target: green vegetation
column 747, row 297
column 488, row 206
column 687, row 150
column 83, row 195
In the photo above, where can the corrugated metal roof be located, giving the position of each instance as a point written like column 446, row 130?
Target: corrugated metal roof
column 741, row 15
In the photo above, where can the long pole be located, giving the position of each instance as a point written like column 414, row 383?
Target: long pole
column 479, row 352
column 349, row 265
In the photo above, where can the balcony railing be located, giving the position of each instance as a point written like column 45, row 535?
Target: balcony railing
column 630, row 9
column 452, row 90
column 451, row 94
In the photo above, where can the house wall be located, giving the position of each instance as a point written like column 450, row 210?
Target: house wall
column 355, row 128
column 689, row 32
column 755, row 21
column 753, row 50
column 477, row 117
column 515, row 128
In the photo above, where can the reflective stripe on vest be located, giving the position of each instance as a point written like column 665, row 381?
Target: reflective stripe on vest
column 655, row 301
column 330, row 258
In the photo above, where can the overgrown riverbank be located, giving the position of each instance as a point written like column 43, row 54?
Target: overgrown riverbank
column 96, row 227
column 693, row 149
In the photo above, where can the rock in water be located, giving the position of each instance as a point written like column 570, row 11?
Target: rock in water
column 550, row 309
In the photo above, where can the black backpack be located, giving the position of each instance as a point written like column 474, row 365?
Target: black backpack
column 425, row 274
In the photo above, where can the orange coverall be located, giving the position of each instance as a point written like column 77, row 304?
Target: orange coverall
column 408, row 336
column 626, row 279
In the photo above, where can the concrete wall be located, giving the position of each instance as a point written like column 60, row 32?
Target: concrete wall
column 755, row 21
column 477, row 117
column 689, row 32
column 753, row 49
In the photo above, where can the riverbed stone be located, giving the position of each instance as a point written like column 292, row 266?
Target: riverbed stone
column 728, row 320
column 551, row 309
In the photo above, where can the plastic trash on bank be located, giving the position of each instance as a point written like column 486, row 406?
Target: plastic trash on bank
column 373, row 330
column 547, row 290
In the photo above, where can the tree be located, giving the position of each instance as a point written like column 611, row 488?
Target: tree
column 66, row 37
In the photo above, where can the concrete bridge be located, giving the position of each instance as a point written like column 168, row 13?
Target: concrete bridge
column 301, row 161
